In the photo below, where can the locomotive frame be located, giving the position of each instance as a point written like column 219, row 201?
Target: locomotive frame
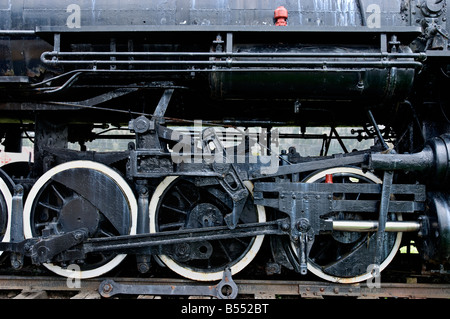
column 189, row 201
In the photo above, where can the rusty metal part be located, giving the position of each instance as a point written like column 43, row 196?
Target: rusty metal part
column 225, row 289
column 257, row 288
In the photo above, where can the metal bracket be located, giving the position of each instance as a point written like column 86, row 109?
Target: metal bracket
column 307, row 204
column 231, row 182
column 48, row 247
column 303, row 247
column 161, row 108
column 225, row 289
column 238, row 192
column 384, row 208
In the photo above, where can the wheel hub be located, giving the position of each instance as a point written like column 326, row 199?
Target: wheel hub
column 205, row 215
column 78, row 213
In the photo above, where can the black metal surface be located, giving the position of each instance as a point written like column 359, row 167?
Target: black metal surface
column 189, row 12
column 67, row 68
column 125, row 51
column 433, row 160
column 102, row 195
column 435, row 245
column 307, row 204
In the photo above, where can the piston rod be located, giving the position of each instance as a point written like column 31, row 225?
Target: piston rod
column 372, row 226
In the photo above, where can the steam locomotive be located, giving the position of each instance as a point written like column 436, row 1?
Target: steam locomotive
column 217, row 121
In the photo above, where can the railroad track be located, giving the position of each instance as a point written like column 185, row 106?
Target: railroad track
column 42, row 287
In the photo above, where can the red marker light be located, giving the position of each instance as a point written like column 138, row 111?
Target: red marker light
column 280, row 15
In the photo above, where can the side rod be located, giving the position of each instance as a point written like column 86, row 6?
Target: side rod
column 44, row 249
column 143, row 241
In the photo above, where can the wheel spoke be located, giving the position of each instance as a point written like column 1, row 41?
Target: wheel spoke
column 225, row 251
column 58, row 194
column 171, row 225
column 183, row 195
column 50, row 206
column 105, row 233
column 241, row 241
column 174, row 209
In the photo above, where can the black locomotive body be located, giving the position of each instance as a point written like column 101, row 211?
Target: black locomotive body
column 215, row 103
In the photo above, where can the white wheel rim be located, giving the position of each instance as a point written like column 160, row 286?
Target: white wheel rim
column 8, row 200
column 198, row 275
column 128, row 193
column 316, row 270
